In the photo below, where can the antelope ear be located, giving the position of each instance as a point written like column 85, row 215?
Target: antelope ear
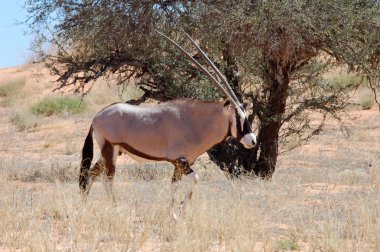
column 245, row 105
column 227, row 103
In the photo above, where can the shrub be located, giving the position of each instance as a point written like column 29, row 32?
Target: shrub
column 23, row 121
column 367, row 99
column 288, row 245
column 9, row 89
column 367, row 103
column 344, row 80
column 58, row 105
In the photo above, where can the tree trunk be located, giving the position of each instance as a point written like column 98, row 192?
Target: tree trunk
column 269, row 130
column 231, row 156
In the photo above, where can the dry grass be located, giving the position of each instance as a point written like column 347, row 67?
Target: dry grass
column 324, row 196
column 366, row 98
column 24, row 121
column 9, row 91
column 42, row 210
column 11, row 87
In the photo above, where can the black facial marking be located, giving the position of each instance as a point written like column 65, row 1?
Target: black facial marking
column 238, row 126
column 246, row 127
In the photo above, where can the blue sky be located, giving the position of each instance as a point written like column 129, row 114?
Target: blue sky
column 14, row 45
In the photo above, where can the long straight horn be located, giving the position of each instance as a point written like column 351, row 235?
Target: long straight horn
column 221, row 76
column 222, row 89
column 200, row 67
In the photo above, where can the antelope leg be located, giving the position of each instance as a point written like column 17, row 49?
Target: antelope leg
column 109, row 153
column 95, row 171
column 182, row 167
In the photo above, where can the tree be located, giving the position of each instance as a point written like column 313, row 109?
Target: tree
column 273, row 53
column 285, row 47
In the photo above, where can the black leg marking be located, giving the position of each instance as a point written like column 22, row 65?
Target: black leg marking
column 97, row 169
column 182, row 167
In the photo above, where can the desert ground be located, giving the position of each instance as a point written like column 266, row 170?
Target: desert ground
column 324, row 195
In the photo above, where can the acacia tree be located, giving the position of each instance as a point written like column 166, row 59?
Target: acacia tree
column 273, row 53
column 282, row 50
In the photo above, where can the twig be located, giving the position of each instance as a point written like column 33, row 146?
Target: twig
column 373, row 90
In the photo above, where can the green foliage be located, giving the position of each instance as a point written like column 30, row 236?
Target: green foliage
column 58, row 105
column 288, row 245
column 367, row 103
column 252, row 33
column 180, row 85
column 367, row 99
column 343, row 81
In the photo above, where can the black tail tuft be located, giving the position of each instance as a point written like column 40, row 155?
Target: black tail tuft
column 87, row 156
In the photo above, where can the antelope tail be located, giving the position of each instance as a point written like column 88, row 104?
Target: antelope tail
column 87, row 156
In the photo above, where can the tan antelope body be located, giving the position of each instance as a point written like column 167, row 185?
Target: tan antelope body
column 168, row 131
column 177, row 131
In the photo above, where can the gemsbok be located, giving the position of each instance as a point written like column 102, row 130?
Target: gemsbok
column 177, row 131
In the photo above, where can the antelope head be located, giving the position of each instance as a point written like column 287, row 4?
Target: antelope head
column 240, row 128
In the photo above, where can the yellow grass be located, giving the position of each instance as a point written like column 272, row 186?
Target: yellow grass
column 41, row 210
column 324, row 196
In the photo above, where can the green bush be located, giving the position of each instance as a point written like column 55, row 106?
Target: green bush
column 367, row 99
column 58, row 105
column 288, row 245
column 344, row 80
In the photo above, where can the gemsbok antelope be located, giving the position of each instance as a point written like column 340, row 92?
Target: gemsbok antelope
column 177, row 131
